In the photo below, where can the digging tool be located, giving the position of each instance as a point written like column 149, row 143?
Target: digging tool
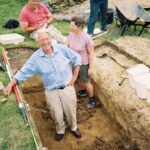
column 15, row 89
column 124, row 76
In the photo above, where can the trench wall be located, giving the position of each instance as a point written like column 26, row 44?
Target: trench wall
column 121, row 101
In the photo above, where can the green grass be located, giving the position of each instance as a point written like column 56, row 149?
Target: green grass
column 114, row 32
column 14, row 135
column 64, row 27
column 10, row 9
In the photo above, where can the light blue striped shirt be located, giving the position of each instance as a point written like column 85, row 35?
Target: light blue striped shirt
column 55, row 70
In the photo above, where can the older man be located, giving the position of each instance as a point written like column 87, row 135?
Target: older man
column 54, row 64
column 35, row 16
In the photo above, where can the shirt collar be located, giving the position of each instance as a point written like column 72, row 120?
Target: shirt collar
column 55, row 50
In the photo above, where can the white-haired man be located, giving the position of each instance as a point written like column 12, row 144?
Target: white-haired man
column 58, row 67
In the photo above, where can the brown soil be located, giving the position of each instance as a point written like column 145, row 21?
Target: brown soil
column 98, row 131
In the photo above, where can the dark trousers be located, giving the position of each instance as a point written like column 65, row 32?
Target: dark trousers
column 97, row 6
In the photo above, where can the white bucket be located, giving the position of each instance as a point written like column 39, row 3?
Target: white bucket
column 140, row 84
column 148, row 92
column 136, row 71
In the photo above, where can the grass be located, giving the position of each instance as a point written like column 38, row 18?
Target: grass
column 10, row 9
column 64, row 27
column 13, row 134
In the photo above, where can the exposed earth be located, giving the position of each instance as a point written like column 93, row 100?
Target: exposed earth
column 98, row 131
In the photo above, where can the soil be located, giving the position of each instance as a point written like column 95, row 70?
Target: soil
column 98, row 131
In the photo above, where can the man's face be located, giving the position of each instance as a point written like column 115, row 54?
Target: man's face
column 44, row 41
column 34, row 3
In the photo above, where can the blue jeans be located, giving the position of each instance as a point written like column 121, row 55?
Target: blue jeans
column 97, row 6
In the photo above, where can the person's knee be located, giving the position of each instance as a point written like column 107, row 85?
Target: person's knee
column 87, row 84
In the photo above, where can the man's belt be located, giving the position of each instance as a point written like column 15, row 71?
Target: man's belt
column 59, row 88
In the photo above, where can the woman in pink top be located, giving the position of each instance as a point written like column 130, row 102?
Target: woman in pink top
column 82, row 43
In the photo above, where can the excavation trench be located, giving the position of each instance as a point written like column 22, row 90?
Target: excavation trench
column 99, row 132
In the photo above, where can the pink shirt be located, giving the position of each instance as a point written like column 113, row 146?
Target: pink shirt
column 80, row 44
column 34, row 18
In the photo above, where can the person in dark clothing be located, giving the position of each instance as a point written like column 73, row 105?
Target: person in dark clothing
column 97, row 6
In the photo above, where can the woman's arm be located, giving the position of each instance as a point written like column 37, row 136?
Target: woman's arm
column 91, row 59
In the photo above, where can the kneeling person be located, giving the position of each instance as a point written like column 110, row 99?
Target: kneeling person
column 35, row 16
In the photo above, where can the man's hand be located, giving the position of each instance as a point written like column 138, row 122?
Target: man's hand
column 8, row 89
column 46, row 25
column 74, row 77
column 49, row 20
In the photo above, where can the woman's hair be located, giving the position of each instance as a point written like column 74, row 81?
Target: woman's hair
column 79, row 21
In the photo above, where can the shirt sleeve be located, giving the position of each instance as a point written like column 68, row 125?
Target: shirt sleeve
column 89, row 41
column 72, row 55
column 28, row 70
column 23, row 17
